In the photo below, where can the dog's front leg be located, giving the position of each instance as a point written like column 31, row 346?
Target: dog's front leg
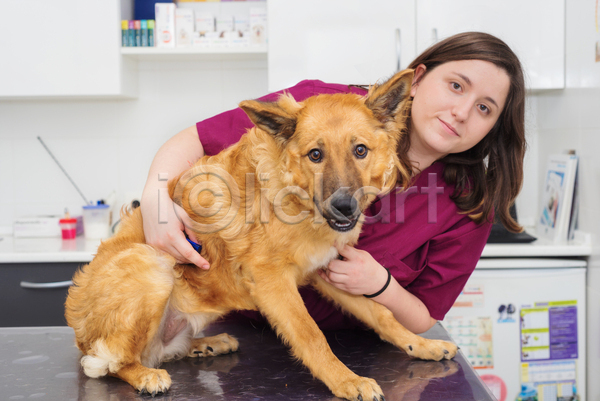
column 380, row 319
column 279, row 301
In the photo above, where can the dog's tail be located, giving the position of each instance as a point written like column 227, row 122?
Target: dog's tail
column 99, row 361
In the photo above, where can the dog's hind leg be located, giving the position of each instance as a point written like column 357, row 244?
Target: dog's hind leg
column 380, row 319
column 215, row 345
column 120, row 307
column 280, row 302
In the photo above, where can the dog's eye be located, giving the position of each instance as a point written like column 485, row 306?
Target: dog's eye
column 360, row 151
column 315, row 155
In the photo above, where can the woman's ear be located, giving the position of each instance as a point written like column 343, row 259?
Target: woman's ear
column 419, row 73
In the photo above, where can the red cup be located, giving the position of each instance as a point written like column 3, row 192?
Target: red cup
column 68, row 228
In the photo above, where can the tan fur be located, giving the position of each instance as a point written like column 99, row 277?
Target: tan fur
column 260, row 209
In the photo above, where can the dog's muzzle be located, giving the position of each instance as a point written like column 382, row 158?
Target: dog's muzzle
column 343, row 213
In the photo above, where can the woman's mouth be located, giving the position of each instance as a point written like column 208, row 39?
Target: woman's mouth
column 448, row 128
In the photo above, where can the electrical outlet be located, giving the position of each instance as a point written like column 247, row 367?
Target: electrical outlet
column 131, row 196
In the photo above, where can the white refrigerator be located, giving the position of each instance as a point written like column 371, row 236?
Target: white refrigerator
column 522, row 322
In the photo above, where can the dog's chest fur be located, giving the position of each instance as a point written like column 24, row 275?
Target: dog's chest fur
column 322, row 259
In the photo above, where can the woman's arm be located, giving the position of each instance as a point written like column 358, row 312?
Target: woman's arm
column 407, row 308
column 163, row 228
column 359, row 273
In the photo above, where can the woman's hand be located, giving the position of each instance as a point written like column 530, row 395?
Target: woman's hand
column 168, row 232
column 359, row 273
column 164, row 229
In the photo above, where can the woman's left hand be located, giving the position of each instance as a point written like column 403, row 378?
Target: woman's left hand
column 359, row 273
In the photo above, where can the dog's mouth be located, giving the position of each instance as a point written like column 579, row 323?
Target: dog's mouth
column 341, row 212
column 342, row 225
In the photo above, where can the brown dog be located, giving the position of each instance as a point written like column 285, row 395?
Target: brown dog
column 267, row 211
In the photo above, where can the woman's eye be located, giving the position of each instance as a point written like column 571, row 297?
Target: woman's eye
column 315, row 155
column 456, row 86
column 360, row 151
column 484, row 108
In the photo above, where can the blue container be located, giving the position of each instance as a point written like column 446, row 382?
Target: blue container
column 144, row 9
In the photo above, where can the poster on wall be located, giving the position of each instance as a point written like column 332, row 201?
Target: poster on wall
column 474, row 337
column 552, row 380
column 549, row 331
column 549, row 350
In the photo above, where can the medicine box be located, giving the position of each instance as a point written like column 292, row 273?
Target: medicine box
column 36, row 226
column 41, row 226
column 205, row 22
column 164, row 33
column 225, row 23
column 184, row 26
column 241, row 22
column 258, row 26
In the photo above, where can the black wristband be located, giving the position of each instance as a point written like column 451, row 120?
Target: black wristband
column 387, row 283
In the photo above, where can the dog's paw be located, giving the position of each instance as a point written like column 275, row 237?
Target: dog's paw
column 434, row 350
column 359, row 389
column 154, row 381
column 215, row 345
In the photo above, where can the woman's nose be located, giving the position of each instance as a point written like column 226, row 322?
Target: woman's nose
column 461, row 111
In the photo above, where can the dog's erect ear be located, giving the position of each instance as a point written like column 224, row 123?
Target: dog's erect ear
column 389, row 100
column 276, row 118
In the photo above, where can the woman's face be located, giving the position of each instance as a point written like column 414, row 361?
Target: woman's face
column 455, row 105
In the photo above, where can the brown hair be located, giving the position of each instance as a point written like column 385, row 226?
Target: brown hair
column 488, row 176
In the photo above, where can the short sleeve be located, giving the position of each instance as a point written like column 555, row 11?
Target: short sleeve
column 225, row 129
column 451, row 259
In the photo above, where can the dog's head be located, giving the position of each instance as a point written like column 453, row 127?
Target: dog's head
column 340, row 149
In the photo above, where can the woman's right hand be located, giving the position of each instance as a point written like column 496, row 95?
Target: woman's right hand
column 165, row 228
column 167, row 233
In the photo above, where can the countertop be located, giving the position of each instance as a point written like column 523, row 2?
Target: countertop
column 46, row 250
column 80, row 250
column 581, row 245
column 43, row 363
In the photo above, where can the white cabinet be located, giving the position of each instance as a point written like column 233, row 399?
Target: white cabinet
column 534, row 29
column 338, row 41
column 63, row 48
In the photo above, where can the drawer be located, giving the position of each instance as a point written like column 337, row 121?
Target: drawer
column 34, row 294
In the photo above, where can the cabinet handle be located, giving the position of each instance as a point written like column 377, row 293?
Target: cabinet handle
column 56, row 284
column 434, row 36
column 398, row 49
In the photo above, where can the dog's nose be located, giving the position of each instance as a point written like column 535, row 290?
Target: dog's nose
column 345, row 205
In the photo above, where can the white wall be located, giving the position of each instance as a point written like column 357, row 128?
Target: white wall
column 107, row 145
column 569, row 119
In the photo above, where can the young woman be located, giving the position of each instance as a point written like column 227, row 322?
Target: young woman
column 465, row 144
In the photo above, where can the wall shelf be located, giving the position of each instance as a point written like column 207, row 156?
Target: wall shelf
column 191, row 53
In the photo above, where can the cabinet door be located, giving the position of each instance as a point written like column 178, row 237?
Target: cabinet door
column 34, row 294
column 60, row 48
column 338, row 41
column 534, row 29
